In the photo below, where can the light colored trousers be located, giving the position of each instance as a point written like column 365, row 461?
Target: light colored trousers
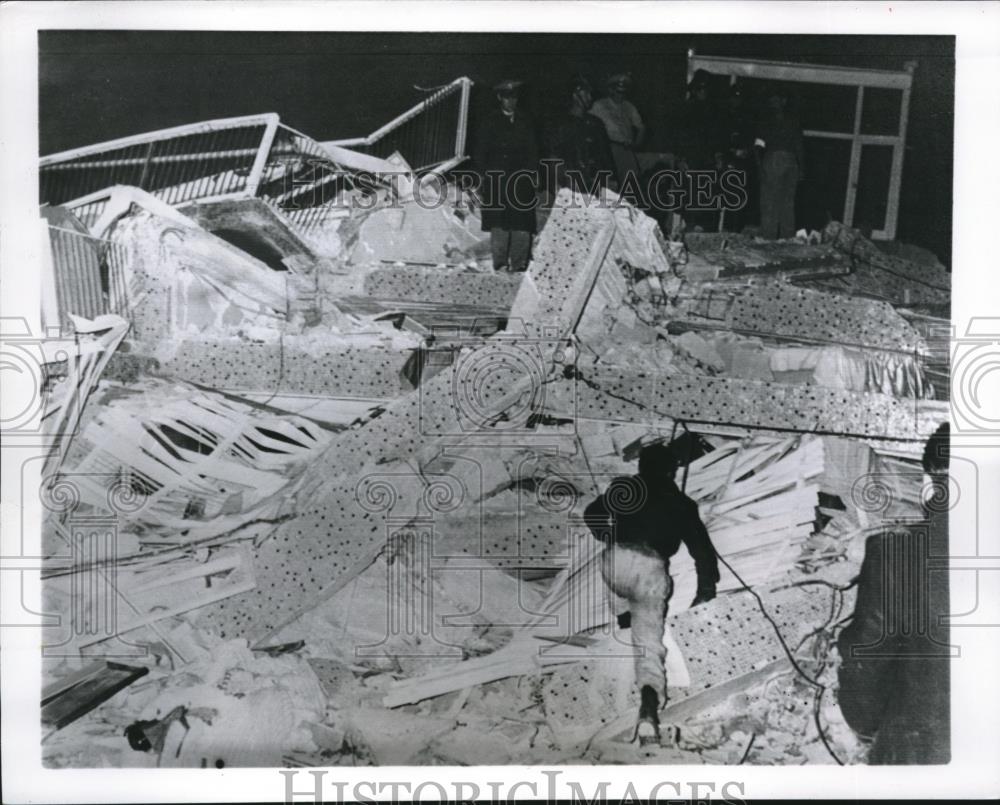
column 779, row 179
column 510, row 249
column 642, row 580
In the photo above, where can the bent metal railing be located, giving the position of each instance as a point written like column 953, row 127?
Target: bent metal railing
column 88, row 276
column 212, row 159
column 429, row 136
column 256, row 156
column 302, row 181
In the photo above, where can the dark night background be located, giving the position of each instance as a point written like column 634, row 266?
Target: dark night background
column 100, row 85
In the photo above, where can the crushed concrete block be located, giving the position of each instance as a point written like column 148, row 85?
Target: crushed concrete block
column 746, row 358
column 491, row 390
column 699, row 269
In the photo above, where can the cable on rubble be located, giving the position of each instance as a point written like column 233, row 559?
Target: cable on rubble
column 819, row 686
column 281, row 347
column 573, row 372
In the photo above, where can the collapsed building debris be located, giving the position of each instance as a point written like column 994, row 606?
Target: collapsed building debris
column 345, row 496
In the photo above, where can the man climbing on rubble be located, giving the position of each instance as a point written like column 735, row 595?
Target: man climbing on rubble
column 643, row 519
column 507, row 156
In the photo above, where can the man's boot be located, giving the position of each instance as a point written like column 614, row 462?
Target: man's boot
column 648, row 728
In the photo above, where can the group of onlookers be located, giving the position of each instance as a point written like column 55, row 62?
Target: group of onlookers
column 598, row 143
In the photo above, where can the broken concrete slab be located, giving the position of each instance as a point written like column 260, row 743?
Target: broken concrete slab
column 425, row 284
column 503, row 376
column 331, row 365
column 878, row 273
column 182, row 278
column 628, row 395
column 783, row 311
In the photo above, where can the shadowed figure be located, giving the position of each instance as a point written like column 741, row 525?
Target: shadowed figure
column 895, row 672
column 779, row 140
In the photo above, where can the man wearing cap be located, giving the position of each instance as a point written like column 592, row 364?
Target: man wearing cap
column 579, row 144
column 507, row 155
column 622, row 122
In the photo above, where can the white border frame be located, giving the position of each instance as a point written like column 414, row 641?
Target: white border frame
column 976, row 739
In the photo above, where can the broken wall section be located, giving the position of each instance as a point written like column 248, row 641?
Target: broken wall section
column 185, row 281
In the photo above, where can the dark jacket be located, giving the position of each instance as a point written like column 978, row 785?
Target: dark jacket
column 630, row 513
column 701, row 134
column 504, row 147
column 895, row 674
column 782, row 134
column 581, row 144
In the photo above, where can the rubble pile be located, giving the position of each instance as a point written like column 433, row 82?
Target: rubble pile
column 342, row 502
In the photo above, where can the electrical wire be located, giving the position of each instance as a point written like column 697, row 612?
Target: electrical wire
column 281, row 348
column 819, row 686
column 746, row 752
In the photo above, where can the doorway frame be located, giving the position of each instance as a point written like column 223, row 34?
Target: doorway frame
column 859, row 77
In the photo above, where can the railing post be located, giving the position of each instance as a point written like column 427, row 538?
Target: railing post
column 257, row 171
column 145, row 166
column 463, row 118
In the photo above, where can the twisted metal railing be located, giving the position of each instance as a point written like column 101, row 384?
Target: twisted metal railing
column 88, row 275
column 429, row 136
column 257, row 156
column 213, row 159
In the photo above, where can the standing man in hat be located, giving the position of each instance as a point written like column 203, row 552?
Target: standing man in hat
column 507, row 156
column 579, row 144
column 782, row 160
column 623, row 124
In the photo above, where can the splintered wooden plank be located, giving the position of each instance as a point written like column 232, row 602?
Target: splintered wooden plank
column 154, row 595
column 179, row 444
column 678, row 711
column 763, row 501
column 66, row 700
